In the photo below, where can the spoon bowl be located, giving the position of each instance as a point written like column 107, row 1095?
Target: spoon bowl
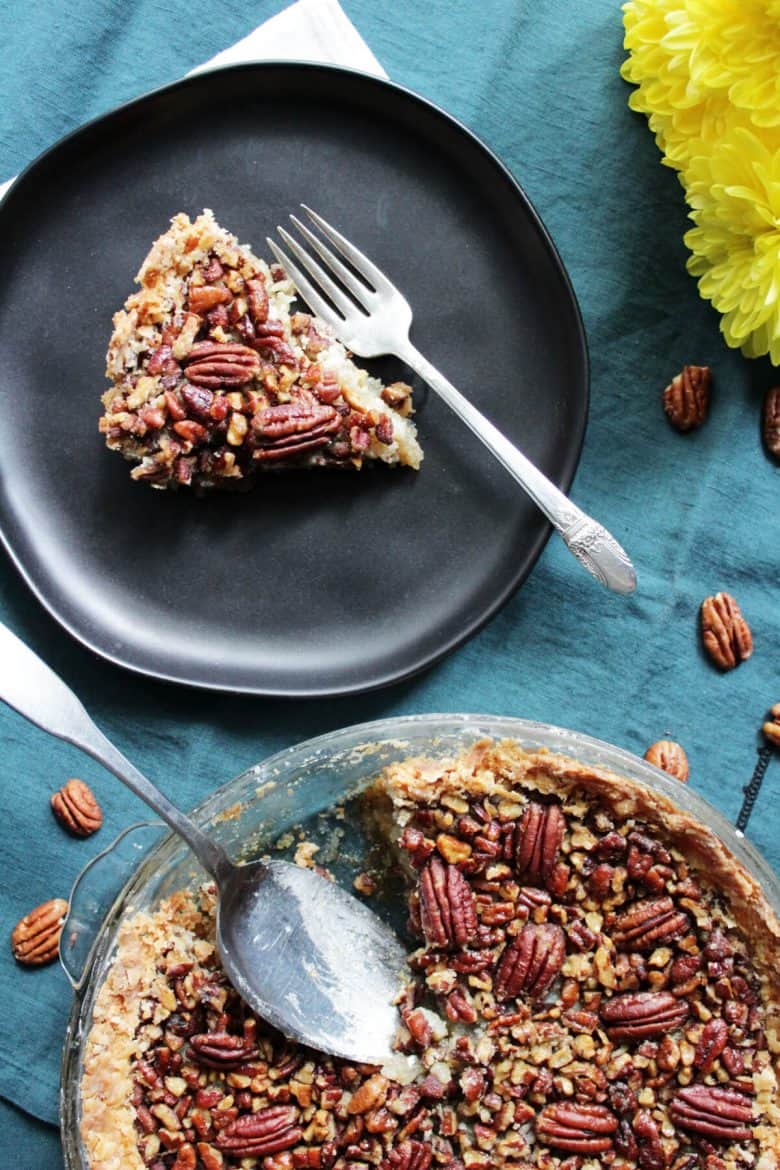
column 310, row 959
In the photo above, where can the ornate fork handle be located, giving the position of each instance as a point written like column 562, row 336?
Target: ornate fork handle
column 594, row 547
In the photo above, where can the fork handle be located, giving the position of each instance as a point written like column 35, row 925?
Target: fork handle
column 594, row 547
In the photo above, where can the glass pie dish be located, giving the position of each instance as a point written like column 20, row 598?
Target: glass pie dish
column 306, row 791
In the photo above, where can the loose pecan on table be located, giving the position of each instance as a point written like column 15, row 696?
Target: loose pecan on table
column 35, row 939
column 447, row 911
column 771, row 422
column 669, row 756
column 725, row 633
column 530, row 962
column 687, row 397
column 537, row 841
column 75, row 807
column 771, row 728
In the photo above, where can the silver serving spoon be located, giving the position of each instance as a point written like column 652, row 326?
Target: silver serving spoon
column 305, row 955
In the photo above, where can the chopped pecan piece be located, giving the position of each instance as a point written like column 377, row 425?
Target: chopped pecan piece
column 646, row 925
column 640, row 1015
column 75, row 807
column 725, row 633
column 447, row 909
column 771, row 422
column 408, row 1156
column 370, row 1095
column 531, row 962
column 205, row 297
column 715, row 1113
column 650, row 1151
column 257, row 298
column 578, row 1129
column 265, row 1132
column 538, row 840
column 669, row 756
column 712, row 1041
column 35, row 939
column 687, row 397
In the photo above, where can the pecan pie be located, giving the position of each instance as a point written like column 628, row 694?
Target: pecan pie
column 214, row 379
column 592, row 982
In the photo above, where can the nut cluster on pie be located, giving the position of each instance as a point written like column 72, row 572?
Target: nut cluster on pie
column 214, row 379
column 592, row 982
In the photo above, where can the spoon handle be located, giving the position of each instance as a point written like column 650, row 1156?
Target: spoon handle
column 36, row 692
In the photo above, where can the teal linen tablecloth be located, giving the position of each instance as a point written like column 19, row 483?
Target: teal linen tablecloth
column 539, row 83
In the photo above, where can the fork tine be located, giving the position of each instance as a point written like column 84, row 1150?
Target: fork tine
column 360, row 291
column 315, row 270
column 361, row 263
column 304, row 286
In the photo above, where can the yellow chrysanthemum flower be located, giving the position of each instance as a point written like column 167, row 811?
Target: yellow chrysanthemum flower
column 708, row 79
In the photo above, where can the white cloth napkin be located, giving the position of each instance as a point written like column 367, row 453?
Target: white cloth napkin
column 309, row 30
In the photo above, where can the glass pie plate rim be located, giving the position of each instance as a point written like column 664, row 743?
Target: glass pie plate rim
column 368, row 747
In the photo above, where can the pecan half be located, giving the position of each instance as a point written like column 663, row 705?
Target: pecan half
column 771, row 422
column 579, row 1129
column 771, row 728
column 266, row 1132
column 648, row 924
column 725, row 633
column 447, row 910
column 537, row 841
column 530, row 962
column 687, row 397
column 221, row 363
column 76, row 809
column 716, row 1113
column 639, row 1015
column 36, row 937
column 294, row 427
column 222, row 1050
column 669, row 756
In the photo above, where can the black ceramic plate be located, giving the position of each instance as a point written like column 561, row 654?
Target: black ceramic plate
column 314, row 583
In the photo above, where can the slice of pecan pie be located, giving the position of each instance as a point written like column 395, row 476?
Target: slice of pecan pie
column 214, row 379
column 593, row 982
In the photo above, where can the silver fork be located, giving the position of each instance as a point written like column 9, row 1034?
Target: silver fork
column 383, row 327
